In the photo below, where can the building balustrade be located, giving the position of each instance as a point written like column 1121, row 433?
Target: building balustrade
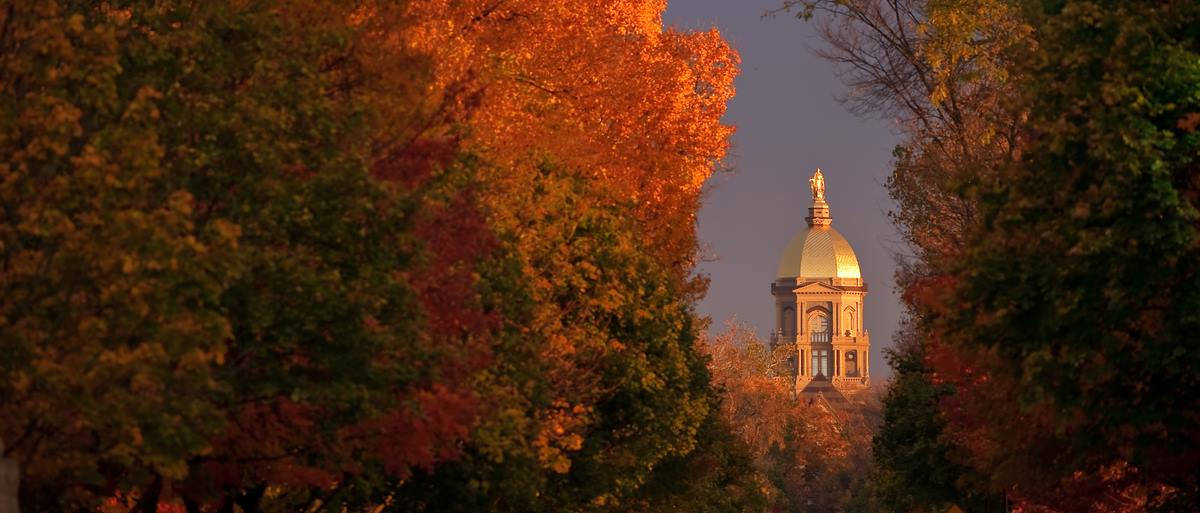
column 846, row 380
column 779, row 337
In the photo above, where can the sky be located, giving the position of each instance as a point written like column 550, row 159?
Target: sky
column 789, row 122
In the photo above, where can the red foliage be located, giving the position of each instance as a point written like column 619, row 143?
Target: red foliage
column 276, row 441
column 263, row 442
column 414, row 163
column 427, row 432
column 1007, row 439
column 457, row 236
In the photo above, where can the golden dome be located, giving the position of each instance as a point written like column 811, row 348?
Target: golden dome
column 819, row 252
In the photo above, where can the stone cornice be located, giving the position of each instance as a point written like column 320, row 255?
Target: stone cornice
column 789, row 288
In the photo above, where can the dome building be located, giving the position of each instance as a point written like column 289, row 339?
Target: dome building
column 819, row 293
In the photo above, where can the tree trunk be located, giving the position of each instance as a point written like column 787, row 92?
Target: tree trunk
column 148, row 502
column 251, row 500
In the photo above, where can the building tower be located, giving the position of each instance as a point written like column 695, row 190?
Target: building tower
column 819, row 293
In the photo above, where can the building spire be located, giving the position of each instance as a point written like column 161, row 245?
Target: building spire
column 818, row 213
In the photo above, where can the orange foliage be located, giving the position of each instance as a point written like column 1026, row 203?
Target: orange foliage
column 808, row 446
column 595, row 86
column 758, row 402
column 598, row 88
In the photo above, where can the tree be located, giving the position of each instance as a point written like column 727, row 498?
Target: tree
column 918, row 465
column 293, row 257
column 201, row 292
column 597, row 87
column 1055, row 304
column 598, row 372
column 944, row 72
column 810, row 452
column 578, row 156
column 1080, row 283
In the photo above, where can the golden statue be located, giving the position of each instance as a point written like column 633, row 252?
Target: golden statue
column 817, row 182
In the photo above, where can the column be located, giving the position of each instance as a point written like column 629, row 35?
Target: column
column 860, row 318
column 835, row 321
column 778, row 316
column 801, row 329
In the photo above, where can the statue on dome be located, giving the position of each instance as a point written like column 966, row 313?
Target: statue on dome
column 817, row 182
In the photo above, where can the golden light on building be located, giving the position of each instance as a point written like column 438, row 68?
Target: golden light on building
column 819, row 293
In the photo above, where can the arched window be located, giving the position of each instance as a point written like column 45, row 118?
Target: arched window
column 849, row 321
column 789, row 321
column 852, row 364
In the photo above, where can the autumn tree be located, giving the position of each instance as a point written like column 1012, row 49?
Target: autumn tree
column 276, row 255
column 598, row 87
column 593, row 127
column 943, row 72
column 598, row 369
column 918, row 466
column 1069, row 288
column 811, row 452
column 204, row 289
column 1081, row 280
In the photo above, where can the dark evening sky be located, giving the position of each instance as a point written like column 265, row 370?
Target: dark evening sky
column 788, row 123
